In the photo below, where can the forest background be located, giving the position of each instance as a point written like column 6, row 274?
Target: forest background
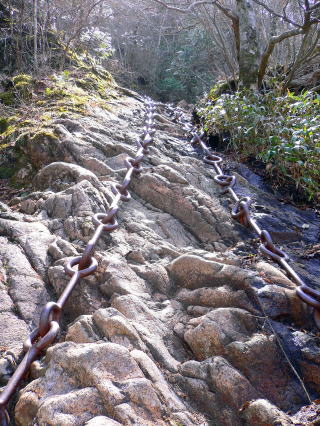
column 175, row 50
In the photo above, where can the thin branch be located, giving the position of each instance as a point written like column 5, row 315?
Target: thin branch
column 188, row 9
column 284, row 10
column 314, row 21
column 303, row 54
column 283, row 17
column 226, row 10
column 269, row 49
column 315, row 6
column 175, row 31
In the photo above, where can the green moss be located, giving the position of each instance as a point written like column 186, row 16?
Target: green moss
column 97, row 82
column 62, row 109
column 7, row 98
column 23, row 90
column 103, row 74
column 78, row 100
column 22, row 139
column 10, row 130
column 3, row 124
column 55, row 92
column 106, row 107
column 85, row 84
column 4, row 146
column 22, row 78
column 46, row 116
column 42, row 135
column 228, row 86
column 6, row 172
column 13, row 119
column 26, row 123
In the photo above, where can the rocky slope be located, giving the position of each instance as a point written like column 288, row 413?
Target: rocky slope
column 182, row 324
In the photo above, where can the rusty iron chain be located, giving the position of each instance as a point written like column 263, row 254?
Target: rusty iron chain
column 241, row 212
column 78, row 267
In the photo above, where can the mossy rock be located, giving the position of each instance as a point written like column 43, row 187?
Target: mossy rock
column 42, row 135
column 9, row 134
column 103, row 73
column 40, row 148
column 7, row 98
column 47, row 116
column 27, row 123
column 55, row 92
column 23, row 90
column 96, row 81
column 86, row 84
column 22, row 140
column 22, row 78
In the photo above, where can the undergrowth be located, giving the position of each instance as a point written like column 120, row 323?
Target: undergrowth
column 29, row 106
column 281, row 130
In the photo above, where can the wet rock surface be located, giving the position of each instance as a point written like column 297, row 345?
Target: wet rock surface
column 296, row 230
column 183, row 322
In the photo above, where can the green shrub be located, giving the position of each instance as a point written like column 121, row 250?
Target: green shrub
column 281, row 130
column 23, row 90
column 7, row 98
column 3, row 124
column 6, row 172
column 22, row 78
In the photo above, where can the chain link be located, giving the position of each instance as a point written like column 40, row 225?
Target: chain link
column 78, row 267
column 241, row 212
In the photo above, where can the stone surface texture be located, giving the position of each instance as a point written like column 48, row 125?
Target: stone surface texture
column 183, row 322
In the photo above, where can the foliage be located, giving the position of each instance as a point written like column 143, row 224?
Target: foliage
column 21, row 78
column 7, row 98
column 3, row 124
column 6, row 172
column 168, row 85
column 97, row 43
column 281, row 130
column 185, row 69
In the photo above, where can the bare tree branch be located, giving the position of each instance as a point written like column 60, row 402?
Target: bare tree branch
column 315, row 6
column 188, row 9
column 284, row 17
column 269, row 49
column 226, row 10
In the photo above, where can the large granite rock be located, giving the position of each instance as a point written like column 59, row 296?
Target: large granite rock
column 174, row 328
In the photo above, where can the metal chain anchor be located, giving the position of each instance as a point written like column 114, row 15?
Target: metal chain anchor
column 78, row 267
column 241, row 212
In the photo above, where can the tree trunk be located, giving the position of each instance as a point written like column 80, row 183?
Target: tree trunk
column 19, row 40
column 35, row 33
column 249, row 56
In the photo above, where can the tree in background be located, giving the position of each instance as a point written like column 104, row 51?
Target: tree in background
column 35, row 34
column 172, row 50
column 253, row 44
